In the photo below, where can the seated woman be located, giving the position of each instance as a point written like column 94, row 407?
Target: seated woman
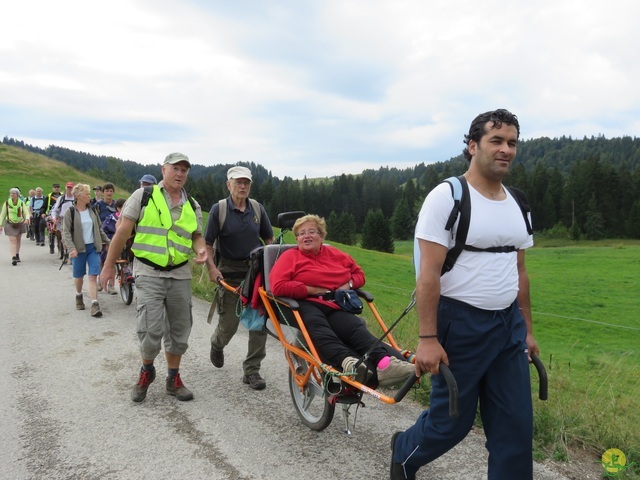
column 306, row 274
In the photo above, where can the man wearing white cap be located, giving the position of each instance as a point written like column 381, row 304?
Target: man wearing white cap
column 166, row 233
column 245, row 223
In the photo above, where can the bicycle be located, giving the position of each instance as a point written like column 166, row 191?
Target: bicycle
column 124, row 277
column 55, row 238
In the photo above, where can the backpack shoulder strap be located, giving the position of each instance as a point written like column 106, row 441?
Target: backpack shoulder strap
column 146, row 195
column 523, row 203
column 255, row 205
column 72, row 209
column 461, row 208
column 222, row 213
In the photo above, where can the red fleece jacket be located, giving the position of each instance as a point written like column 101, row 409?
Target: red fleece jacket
column 329, row 268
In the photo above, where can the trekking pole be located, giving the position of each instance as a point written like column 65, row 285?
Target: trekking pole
column 65, row 259
column 384, row 335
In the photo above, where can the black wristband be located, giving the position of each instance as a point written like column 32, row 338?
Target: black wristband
column 427, row 336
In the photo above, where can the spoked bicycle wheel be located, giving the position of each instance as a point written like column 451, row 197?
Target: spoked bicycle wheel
column 311, row 402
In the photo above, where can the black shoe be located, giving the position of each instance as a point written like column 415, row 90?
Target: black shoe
column 397, row 470
column 217, row 357
column 18, row 257
column 51, row 250
column 255, row 381
column 14, row 261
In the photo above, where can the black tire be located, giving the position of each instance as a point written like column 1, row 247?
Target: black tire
column 126, row 292
column 126, row 288
column 311, row 403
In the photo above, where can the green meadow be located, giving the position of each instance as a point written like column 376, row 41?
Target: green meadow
column 585, row 302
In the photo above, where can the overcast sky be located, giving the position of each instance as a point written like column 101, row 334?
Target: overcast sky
column 312, row 88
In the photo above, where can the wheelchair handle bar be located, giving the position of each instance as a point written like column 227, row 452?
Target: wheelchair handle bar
column 451, row 383
column 543, row 391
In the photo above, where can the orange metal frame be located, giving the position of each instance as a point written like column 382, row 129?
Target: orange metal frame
column 313, row 357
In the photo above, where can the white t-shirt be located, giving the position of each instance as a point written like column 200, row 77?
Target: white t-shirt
column 87, row 226
column 483, row 279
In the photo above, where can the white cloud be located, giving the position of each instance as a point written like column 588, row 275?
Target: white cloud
column 317, row 88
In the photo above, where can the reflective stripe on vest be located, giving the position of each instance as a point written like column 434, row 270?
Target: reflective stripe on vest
column 160, row 240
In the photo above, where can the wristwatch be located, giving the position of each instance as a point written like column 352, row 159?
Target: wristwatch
column 350, row 284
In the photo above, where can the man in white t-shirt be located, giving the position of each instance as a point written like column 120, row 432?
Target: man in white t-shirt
column 476, row 318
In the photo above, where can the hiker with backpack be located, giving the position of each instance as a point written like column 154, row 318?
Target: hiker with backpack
column 475, row 316
column 235, row 227
column 14, row 216
column 84, row 239
column 168, row 227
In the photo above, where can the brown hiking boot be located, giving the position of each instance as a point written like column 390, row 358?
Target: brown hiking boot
column 79, row 302
column 95, row 309
column 176, row 388
column 139, row 392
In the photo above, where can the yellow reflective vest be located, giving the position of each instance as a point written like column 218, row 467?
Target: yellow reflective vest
column 18, row 213
column 158, row 239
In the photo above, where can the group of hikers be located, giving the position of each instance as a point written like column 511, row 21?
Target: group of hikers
column 473, row 309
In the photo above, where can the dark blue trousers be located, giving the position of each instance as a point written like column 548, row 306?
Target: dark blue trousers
column 488, row 356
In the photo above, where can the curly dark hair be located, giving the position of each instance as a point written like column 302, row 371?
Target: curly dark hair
column 477, row 129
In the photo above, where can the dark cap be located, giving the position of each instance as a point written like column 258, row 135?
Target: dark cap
column 56, row 185
column 98, row 187
column 148, row 178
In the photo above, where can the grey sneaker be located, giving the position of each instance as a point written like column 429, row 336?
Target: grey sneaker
column 396, row 372
column 349, row 366
column 95, row 309
column 112, row 290
column 139, row 392
column 176, row 388
column 255, row 381
column 79, row 302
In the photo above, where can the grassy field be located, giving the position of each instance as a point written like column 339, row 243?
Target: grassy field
column 585, row 306
column 26, row 170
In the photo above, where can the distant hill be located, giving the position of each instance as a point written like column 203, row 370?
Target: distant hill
column 27, row 170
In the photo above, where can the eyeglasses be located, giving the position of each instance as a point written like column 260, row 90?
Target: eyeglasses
column 244, row 183
column 304, row 233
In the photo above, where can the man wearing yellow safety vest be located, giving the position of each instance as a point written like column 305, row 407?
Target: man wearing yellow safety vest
column 167, row 229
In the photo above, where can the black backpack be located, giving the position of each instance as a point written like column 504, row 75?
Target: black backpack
column 462, row 208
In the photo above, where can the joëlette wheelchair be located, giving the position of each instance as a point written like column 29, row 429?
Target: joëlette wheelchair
column 316, row 387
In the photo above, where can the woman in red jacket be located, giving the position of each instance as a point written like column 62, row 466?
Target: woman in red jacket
column 310, row 274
